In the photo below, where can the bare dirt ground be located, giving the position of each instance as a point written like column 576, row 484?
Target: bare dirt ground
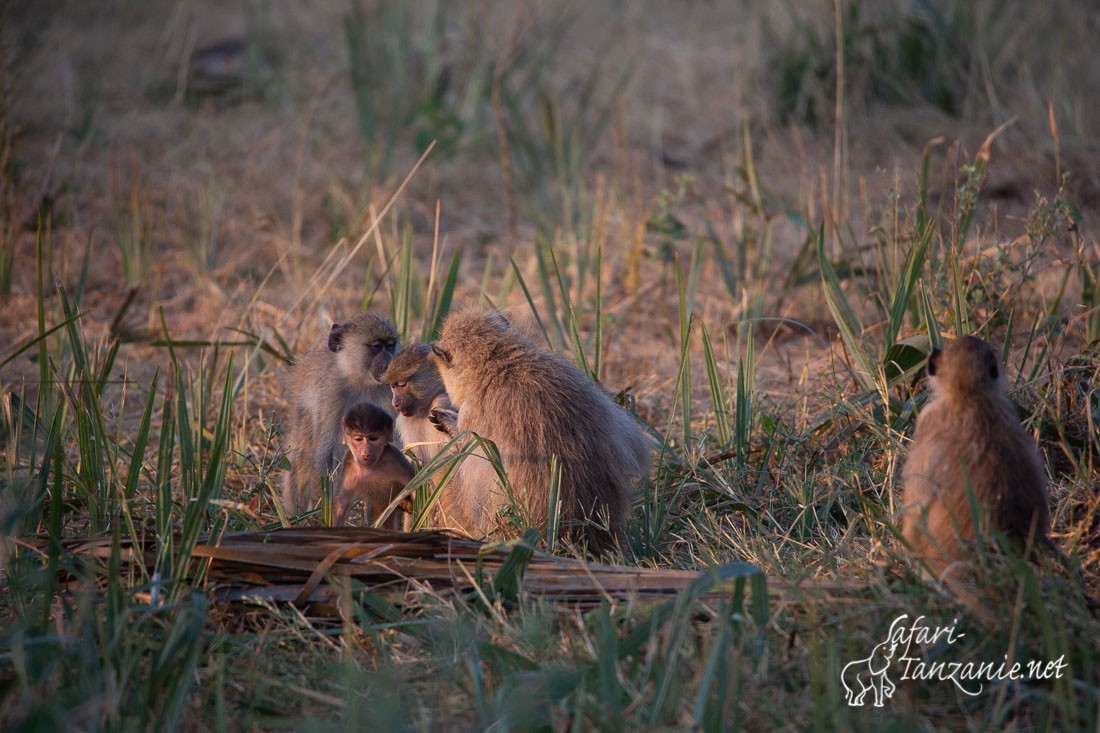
column 240, row 197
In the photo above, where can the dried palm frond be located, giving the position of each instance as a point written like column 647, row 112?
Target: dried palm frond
column 306, row 566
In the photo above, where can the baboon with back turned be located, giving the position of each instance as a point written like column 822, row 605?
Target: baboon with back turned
column 969, row 444
column 534, row 405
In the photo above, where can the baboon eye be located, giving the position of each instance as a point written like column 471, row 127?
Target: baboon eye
column 400, row 385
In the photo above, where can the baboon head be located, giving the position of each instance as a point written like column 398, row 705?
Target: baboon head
column 414, row 378
column 470, row 339
column 368, row 429
column 365, row 344
column 965, row 365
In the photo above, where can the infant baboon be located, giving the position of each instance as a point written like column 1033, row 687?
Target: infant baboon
column 326, row 382
column 968, row 436
column 374, row 470
column 534, row 404
column 421, row 401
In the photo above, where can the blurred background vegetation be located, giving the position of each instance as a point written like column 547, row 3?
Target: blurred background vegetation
column 750, row 221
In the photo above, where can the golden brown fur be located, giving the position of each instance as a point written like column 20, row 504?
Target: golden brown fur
column 345, row 369
column 534, row 404
column 374, row 471
column 968, row 436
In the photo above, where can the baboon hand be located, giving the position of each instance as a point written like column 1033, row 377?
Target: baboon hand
column 445, row 421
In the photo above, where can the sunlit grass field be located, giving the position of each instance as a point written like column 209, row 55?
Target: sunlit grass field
column 749, row 224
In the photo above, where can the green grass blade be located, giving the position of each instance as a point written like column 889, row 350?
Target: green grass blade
column 844, row 317
column 683, row 380
column 717, row 392
column 553, row 520
column 53, row 452
column 743, row 412
column 506, row 583
column 914, row 265
column 165, row 562
column 530, row 302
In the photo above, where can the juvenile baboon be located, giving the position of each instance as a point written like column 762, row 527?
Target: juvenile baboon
column 534, row 404
column 327, row 381
column 969, row 444
column 421, row 401
column 374, row 470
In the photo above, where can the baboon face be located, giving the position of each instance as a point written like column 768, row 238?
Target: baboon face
column 413, row 377
column 367, row 448
column 404, row 401
column 365, row 344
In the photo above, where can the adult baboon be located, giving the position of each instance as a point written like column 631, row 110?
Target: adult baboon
column 535, row 406
column 327, row 381
column 969, row 440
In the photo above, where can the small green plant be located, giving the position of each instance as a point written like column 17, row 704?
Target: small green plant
column 892, row 52
column 136, row 225
column 407, row 76
column 551, row 134
column 205, row 235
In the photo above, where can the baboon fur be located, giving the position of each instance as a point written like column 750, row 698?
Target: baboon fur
column 534, row 404
column 344, row 369
column 969, row 443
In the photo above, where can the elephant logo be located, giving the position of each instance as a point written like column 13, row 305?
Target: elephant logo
column 869, row 675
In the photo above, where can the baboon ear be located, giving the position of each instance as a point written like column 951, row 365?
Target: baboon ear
column 442, row 354
column 932, row 359
column 336, row 337
column 991, row 363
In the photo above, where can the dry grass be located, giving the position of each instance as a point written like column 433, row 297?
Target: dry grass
column 692, row 151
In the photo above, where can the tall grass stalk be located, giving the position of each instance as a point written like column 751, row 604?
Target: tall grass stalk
column 722, row 419
column 136, row 227
column 746, row 378
column 845, row 318
column 686, row 302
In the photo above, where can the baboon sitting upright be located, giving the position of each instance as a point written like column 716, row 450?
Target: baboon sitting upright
column 970, row 451
column 535, row 405
column 327, row 381
column 374, row 471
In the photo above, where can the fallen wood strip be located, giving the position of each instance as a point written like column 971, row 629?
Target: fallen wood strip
column 303, row 566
